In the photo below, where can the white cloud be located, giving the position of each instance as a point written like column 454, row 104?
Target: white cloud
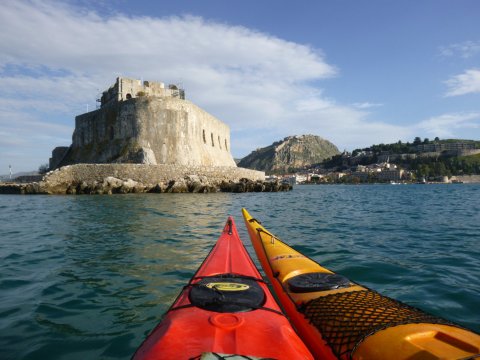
column 367, row 105
column 466, row 83
column 450, row 125
column 52, row 35
column 347, row 127
column 56, row 58
column 466, row 49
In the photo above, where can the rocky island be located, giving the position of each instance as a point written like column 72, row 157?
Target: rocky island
column 146, row 137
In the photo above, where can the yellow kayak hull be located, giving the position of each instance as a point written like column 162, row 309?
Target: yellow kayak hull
column 339, row 319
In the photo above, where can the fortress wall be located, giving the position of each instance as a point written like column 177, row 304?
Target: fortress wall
column 134, row 87
column 147, row 174
column 179, row 132
column 125, row 88
column 151, row 130
column 459, row 152
column 467, row 178
column 57, row 156
column 469, row 152
column 101, row 136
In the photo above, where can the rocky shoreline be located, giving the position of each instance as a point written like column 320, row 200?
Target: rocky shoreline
column 142, row 178
column 112, row 185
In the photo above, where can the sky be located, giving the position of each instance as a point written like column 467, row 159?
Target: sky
column 354, row 72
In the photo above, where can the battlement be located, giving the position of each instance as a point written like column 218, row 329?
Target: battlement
column 125, row 89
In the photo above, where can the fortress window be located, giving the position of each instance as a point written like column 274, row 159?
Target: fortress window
column 129, row 96
column 219, row 142
column 204, row 138
column 213, row 143
column 226, row 146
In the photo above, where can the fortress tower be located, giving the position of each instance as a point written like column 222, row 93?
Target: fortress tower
column 146, row 123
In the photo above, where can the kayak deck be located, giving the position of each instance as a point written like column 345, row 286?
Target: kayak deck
column 339, row 319
column 226, row 308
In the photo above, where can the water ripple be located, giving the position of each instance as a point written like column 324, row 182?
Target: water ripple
column 90, row 276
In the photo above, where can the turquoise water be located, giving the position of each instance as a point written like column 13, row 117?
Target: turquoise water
column 87, row 277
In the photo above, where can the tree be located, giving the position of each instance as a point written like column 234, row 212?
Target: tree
column 417, row 141
column 426, row 141
column 437, row 139
column 440, row 169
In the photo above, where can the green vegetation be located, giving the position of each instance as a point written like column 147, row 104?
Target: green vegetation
column 410, row 148
column 396, row 148
column 422, row 165
column 445, row 166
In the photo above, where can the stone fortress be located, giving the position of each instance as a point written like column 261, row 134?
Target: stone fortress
column 146, row 123
column 146, row 137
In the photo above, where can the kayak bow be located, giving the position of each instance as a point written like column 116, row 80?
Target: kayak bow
column 226, row 308
column 339, row 319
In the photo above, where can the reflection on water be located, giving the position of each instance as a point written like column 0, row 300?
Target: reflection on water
column 90, row 276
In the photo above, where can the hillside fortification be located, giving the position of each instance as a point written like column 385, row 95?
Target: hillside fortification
column 146, row 123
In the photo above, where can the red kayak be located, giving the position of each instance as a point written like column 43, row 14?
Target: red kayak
column 226, row 309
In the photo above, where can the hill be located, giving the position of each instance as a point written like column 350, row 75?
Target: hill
column 424, row 158
column 293, row 152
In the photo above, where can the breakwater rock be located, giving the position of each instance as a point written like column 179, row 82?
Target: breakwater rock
column 141, row 178
column 21, row 188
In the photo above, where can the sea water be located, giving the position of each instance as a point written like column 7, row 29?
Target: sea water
column 88, row 277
